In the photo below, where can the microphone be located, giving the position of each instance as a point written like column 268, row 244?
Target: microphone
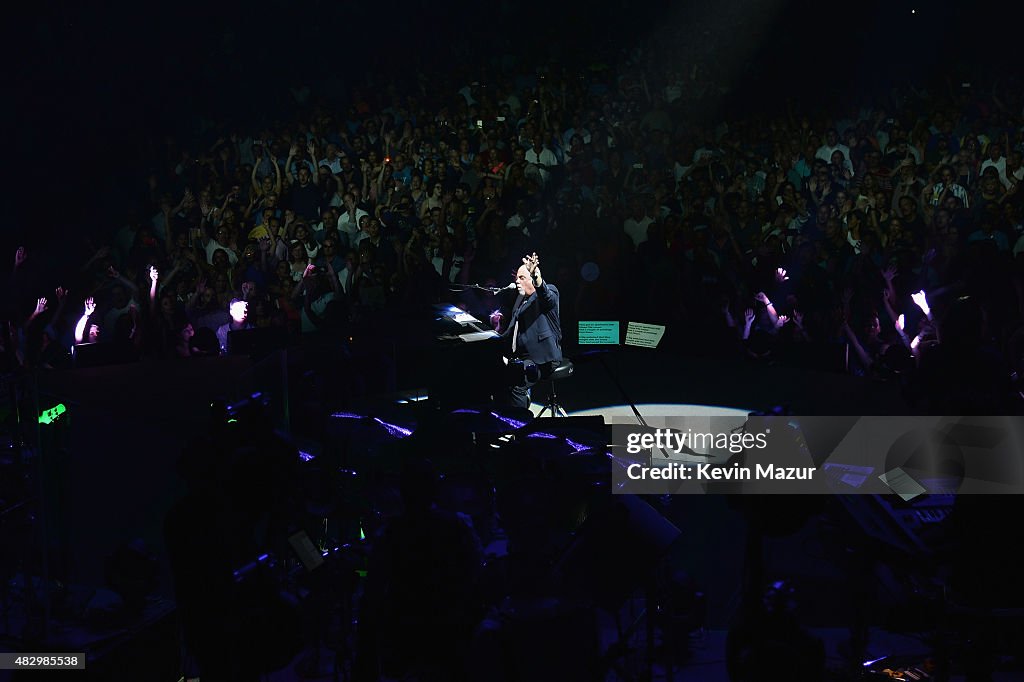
column 507, row 287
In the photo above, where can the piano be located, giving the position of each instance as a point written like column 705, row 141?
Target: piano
column 455, row 324
column 465, row 359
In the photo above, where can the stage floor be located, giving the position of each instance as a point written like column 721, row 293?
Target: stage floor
column 662, row 384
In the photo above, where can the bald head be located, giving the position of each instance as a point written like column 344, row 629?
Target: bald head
column 524, row 282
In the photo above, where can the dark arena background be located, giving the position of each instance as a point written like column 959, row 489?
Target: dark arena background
column 263, row 262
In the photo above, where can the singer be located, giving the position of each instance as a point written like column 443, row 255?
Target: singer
column 534, row 332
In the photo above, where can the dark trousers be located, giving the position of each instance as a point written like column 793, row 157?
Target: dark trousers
column 521, row 382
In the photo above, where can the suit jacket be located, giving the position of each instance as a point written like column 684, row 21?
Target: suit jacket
column 539, row 336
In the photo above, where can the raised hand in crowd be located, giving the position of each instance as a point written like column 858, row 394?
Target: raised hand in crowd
column 920, row 299
column 768, row 306
column 40, row 308
column 748, row 322
column 89, row 309
column 61, row 294
column 726, row 309
column 798, row 325
column 154, row 275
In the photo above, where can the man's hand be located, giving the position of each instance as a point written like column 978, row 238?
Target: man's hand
column 781, row 321
column 889, row 273
column 247, row 289
column 748, row 316
column 40, row 307
column 90, row 306
column 61, row 294
column 19, row 256
column 532, row 263
column 154, row 275
column 798, row 319
column 899, row 323
column 780, row 275
column 921, row 300
column 762, row 297
column 309, row 271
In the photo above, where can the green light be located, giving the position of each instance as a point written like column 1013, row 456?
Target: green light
column 232, row 421
column 362, row 535
column 53, row 414
column 361, row 574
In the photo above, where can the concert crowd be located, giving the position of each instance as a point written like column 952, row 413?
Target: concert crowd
column 879, row 236
column 818, row 218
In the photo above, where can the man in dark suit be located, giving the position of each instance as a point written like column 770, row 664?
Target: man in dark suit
column 534, row 330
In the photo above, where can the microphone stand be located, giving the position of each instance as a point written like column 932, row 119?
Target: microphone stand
column 632, row 405
column 464, row 287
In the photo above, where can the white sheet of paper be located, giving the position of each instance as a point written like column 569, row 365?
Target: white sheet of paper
column 478, row 336
column 644, row 335
column 902, row 483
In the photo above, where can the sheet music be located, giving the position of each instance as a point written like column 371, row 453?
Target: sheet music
column 465, row 318
column 478, row 336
